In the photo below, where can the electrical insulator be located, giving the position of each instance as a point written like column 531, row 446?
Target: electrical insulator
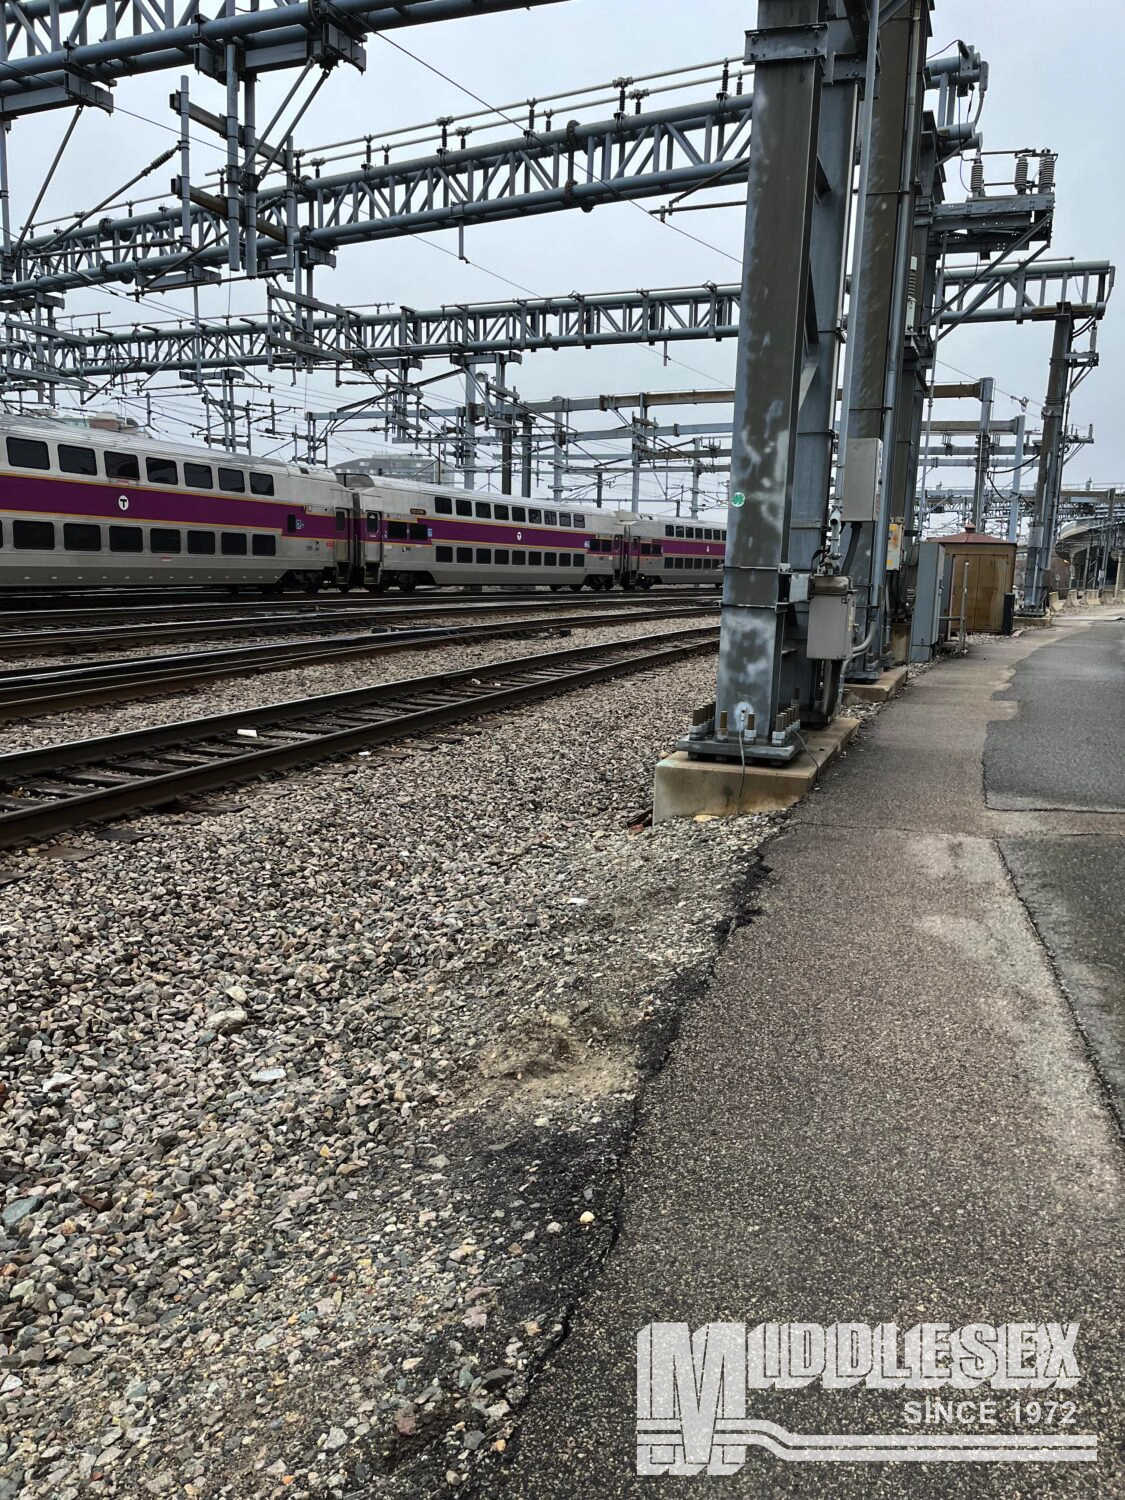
column 976, row 179
column 1021, row 174
column 1047, row 173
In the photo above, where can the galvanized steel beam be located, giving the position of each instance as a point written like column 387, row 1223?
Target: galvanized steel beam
column 303, row 222
column 55, row 53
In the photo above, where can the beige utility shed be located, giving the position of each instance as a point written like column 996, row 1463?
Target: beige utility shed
column 991, row 564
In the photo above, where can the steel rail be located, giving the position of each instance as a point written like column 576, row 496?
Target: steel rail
column 52, row 790
column 97, row 637
column 27, row 694
column 169, row 603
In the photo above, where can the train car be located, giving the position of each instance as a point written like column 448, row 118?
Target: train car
column 85, row 507
column 672, row 552
column 409, row 534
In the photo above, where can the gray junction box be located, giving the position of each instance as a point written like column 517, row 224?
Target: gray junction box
column 831, row 620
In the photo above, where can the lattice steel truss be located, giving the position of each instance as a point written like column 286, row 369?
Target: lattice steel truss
column 299, row 331
column 303, row 220
column 55, row 53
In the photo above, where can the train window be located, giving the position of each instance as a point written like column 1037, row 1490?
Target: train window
column 162, row 471
column 397, row 531
column 419, row 531
column 564, row 519
column 122, row 466
column 578, row 559
column 564, row 559
column 201, row 543
column 668, row 561
column 578, row 522
column 443, row 506
column 535, row 559
column 669, row 531
column 444, row 554
column 38, row 536
column 519, row 559
column 464, row 507
column 679, row 531
column 1, row 533
column 484, row 554
column 502, row 557
column 550, row 518
column 697, row 562
column 501, row 512
column 464, row 554
column 519, row 513
column 126, row 539
column 232, row 543
column 341, row 520
column 77, row 460
column 233, row 481
column 372, row 523
column 550, row 559
column 28, row 453
column 264, row 545
column 535, row 517
column 160, row 540
column 291, row 525
column 484, row 510
column 199, row 476
column 261, row 484
column 709, row 533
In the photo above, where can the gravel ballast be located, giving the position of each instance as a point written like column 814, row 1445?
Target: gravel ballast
column 316, row 1099
column 228, row 695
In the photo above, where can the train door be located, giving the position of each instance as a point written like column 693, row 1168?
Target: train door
column 346, row 545
column 372, row 548
column 630, row 559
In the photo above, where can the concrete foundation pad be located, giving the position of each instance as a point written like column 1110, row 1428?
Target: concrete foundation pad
column 887, row 687
column 721, row 789
column 1033, row 622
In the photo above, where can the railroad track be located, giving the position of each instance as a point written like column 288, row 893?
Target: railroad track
column 17, row 609
column 64, row 636
column 50, row 791
column 27, row 694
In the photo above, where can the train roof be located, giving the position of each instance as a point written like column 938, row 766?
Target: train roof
column 58, row 428
column 25, row 424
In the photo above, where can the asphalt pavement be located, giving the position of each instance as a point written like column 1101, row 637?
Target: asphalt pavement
column 1064, row 751
column 890, row 1107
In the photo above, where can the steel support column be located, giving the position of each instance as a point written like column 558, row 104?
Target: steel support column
column 814, row 684
column 877, row 316
column 1014, row 494
column 984, row 452
column 757, row 680
column 1041, row 538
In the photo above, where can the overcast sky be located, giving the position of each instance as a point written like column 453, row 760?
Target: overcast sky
column 1055, row 82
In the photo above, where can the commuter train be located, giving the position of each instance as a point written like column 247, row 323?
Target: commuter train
column 87, row 508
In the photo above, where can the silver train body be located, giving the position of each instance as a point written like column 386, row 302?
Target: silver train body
column 85, row 508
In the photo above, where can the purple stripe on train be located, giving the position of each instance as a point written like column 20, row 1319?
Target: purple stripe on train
column 101, row 502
